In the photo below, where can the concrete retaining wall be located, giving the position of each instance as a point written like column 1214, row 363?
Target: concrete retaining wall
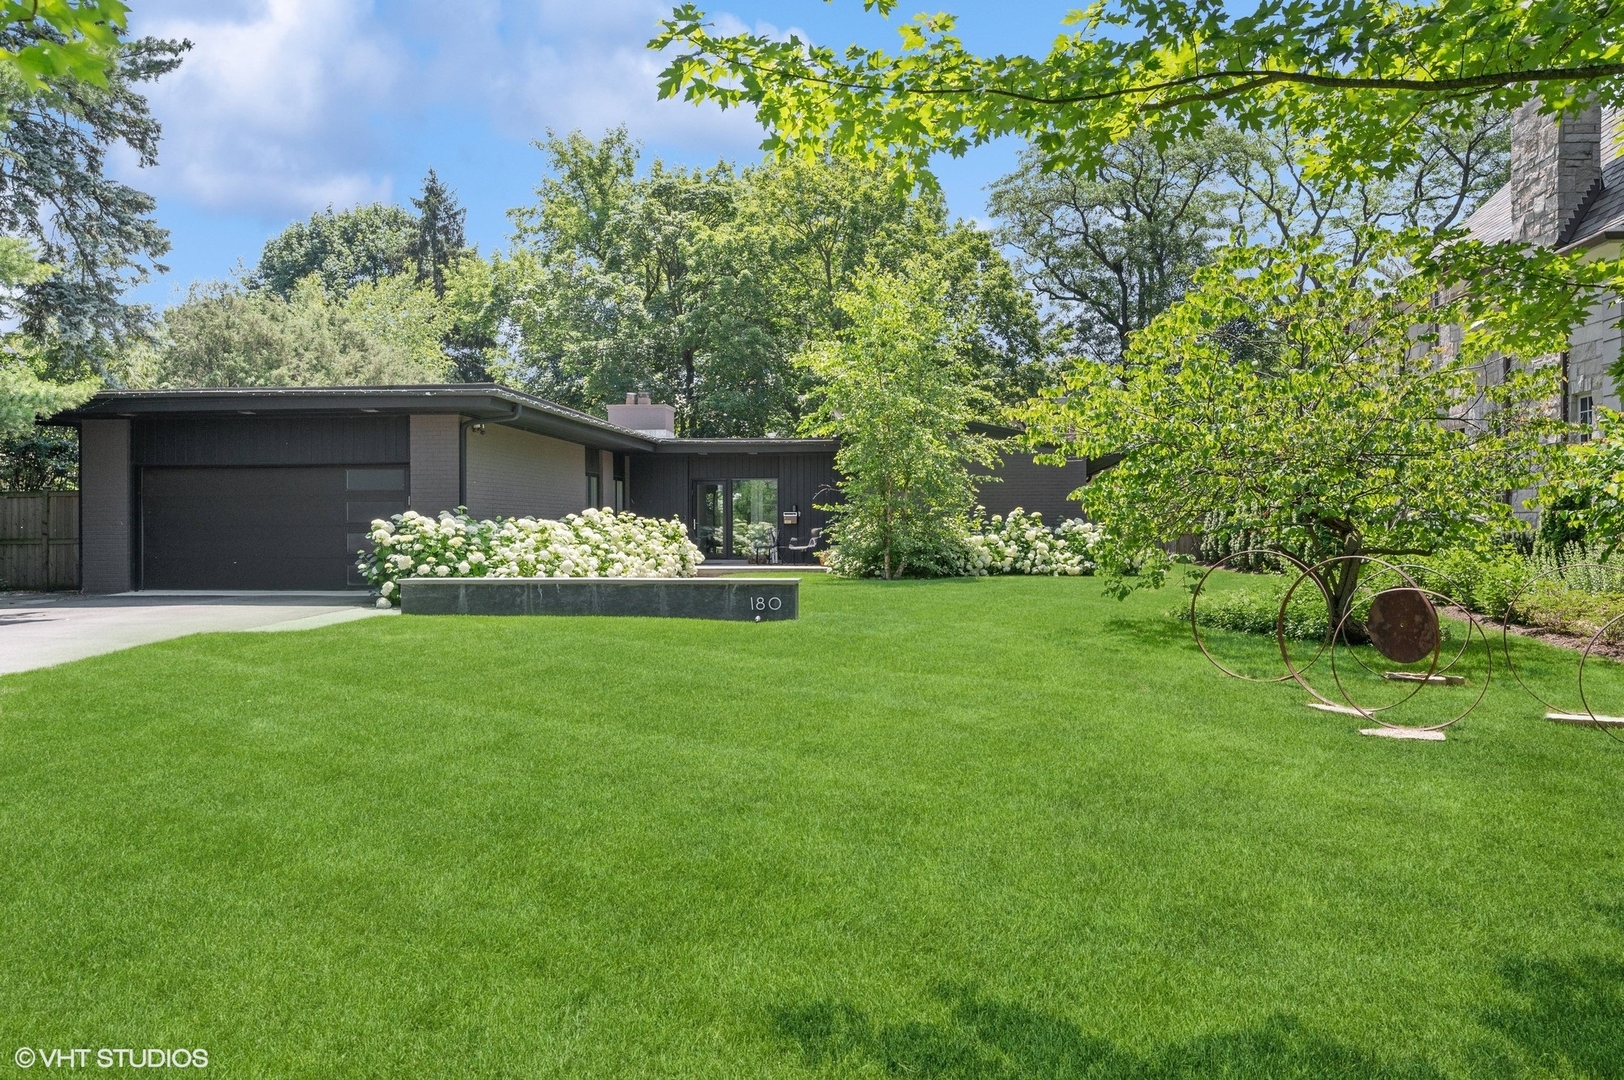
column 743, row 599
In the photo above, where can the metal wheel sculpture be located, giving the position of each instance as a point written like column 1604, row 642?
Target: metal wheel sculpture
column 1585, row 701
column 1402, row 625
column 1279, row 622
column 1554, row 711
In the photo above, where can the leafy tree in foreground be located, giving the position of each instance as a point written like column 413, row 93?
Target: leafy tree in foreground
column 1371, row 76
column 66, row 39
column 1586, row 500
column 895, row 388
column 1332, row 410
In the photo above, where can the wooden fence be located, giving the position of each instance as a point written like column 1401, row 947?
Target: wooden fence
column 39, row 539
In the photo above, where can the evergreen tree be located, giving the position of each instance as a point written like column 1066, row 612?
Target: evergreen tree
column 439, row 240
column 97, row 234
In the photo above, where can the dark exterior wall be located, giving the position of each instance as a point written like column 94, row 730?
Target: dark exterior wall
column 268, row 440
column 662, row 486
column 435, row 454
column 1042, row 489
column 105, row 506
column 514, row 473
column 659, row 485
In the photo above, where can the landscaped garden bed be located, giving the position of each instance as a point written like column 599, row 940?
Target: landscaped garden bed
column 964, row 828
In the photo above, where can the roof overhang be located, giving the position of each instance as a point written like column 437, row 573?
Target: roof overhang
column 747, row 446
column 1593, row 242
column 488, row 402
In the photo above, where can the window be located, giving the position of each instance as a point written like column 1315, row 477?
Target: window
column 594, row 491
column 620, row 494
column 1584, row 414
column 375, row 479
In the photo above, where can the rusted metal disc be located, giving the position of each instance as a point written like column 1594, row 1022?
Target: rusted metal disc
column 1403, row 625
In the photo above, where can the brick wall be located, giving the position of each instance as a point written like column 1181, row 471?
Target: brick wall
column 436, row 463
column 514, row 473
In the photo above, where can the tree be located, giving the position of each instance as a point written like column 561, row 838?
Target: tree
column 894, row 387
column 1282, row 197
column 63, row 40
column 381, row 333
column 439, row 240
column 701, row 286
column 1113, row 250
column 1369, row 76
column 1331, row 408
column 97, row 234
column 1585, row 501
column 25, row 393
column 341, row 248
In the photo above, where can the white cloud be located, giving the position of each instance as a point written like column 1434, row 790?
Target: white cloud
column 270, row 110
column 283, row 106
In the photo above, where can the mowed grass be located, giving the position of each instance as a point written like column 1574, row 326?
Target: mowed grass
column 999, row 828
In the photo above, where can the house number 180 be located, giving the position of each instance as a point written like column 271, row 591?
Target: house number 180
column 765, row 603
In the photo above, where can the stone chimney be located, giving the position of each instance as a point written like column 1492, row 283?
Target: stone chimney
column 1555, row 172
column 641, row 415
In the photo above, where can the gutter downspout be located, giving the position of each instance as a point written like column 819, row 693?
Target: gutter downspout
column 462, row 448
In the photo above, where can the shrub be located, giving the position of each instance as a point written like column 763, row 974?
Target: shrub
column 1254, row 609
column 594, row 543
column 1482, row 581
column 1018, row 544
column 1022, row 544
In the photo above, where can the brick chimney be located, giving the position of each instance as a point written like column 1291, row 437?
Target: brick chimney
column 640, row 414
column 1555, row 172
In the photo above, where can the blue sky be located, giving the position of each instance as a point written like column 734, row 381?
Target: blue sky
column 286, row 106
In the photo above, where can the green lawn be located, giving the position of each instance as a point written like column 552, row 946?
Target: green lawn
column 998, row 828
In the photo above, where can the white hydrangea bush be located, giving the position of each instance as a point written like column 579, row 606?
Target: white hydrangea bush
column 1022, row 544
column 594, row 543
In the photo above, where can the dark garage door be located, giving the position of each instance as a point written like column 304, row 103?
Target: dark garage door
column 260, row 528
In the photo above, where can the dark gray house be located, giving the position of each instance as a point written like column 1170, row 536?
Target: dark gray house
column 273, row 488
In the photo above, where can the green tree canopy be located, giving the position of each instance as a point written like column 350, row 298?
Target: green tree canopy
column 896, row 387
column 53, row 41
column 1330, row 408
column 97, row 233
column 341, row 248
column 380, row 333
column 700, row 286
column 439, row 240
column 1369, row 77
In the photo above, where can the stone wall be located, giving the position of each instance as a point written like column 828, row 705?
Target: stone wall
column 1554, row 169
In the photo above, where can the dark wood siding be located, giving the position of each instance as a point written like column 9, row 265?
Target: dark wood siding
column 271, row 440
column 1041, row 489
column 662, row 486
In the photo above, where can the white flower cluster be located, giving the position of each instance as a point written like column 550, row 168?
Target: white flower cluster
column 1022, row 544
column 594, row 543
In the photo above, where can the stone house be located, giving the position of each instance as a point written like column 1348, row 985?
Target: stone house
column 1567, row 192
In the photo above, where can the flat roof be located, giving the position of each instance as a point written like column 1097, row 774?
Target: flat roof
column 489, row 402
column 747, row 446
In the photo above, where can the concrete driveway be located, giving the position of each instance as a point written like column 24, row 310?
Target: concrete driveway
column 42, row 629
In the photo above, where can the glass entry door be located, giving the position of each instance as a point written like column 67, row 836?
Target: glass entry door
column 737, row 519
column 711, row 518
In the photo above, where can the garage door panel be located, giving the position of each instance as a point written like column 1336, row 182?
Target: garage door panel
column 251, row 528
